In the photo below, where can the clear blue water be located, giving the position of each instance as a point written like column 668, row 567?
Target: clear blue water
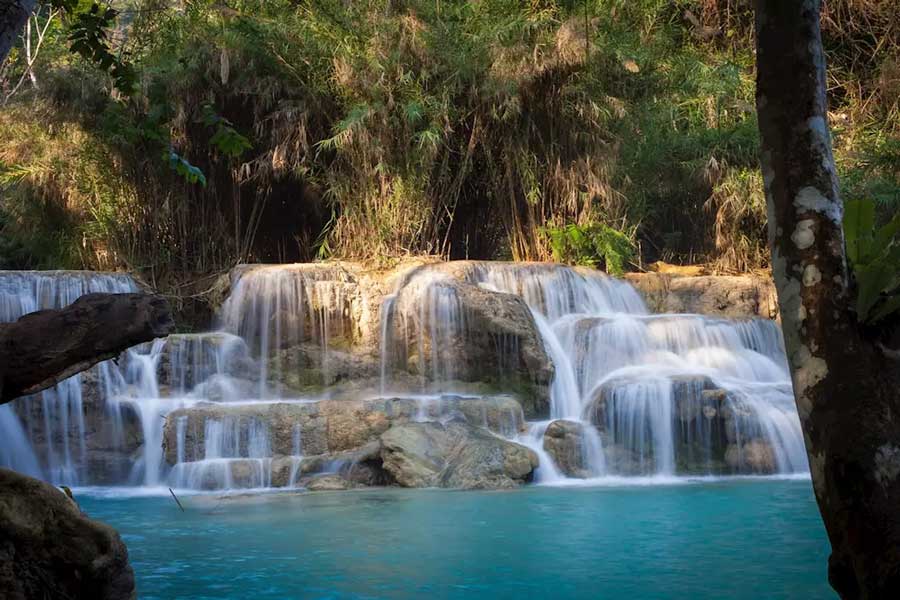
column 732, row 539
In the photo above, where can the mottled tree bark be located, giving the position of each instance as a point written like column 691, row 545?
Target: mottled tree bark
column 45, row 347
column 846, row 380
column 13, row 15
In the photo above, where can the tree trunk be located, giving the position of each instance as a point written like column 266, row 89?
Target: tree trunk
column 13, row 15
column 846, row 383
column 45, row 347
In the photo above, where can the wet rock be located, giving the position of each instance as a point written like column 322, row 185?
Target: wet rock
column 224, row 388
column 49, row 549
column 286, row 469
column 755, row 456
column 326, row 483
column 484, row 336
column 501, row 414
column 324, row 427
column 188, row 359
column 112, row 431
column 702, row 426
column 454, row 455
column 564, row 442
column 309, row 367
column 277, row 420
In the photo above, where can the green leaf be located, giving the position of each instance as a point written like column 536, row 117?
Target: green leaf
column 859, row 222
column 884, row 237
column 872, row 279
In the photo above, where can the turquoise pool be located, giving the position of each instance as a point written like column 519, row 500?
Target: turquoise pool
column 733, row 539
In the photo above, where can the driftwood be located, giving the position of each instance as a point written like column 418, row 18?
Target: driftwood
column 45, row 347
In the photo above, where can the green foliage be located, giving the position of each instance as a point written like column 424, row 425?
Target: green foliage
column 225, row 138
column 874, row 254
column 384, row 128
column 88, row 38
column 184, row 169
column 591, row 245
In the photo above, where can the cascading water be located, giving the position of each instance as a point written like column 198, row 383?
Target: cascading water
column 52, row 445
column 655, row 394
column 644, row 394
column 277, row 308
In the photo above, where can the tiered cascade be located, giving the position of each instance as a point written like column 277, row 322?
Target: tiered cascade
column 650, row 394
column 313, row 364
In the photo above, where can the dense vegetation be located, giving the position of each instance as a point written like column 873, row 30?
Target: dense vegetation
column 605, row 132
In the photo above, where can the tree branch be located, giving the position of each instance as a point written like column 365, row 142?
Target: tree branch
column 45, row 347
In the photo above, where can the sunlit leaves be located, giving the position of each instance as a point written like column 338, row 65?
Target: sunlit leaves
column 225, row 138
column 591, row 245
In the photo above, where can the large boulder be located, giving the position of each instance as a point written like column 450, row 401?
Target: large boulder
column 565, row 442
column 454, row 455
column 49, row 549
column 713, row 430
column 756, row 456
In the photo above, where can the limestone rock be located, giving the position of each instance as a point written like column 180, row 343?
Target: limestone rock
column 189, row 359
column 714, row 432
column 326, row 483
column 455, row 455
column 755, row 456
column 112, row 433
column 727, row 296
column 326, row 427
column 49, row 549
column 564, row 442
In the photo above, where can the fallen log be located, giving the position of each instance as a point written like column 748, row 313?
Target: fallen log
column 43, row 348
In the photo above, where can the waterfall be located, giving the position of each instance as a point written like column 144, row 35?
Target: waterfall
column 52, row 446
column 656, row 394
column 15, row 451
column 281, row 307
column 637, row 394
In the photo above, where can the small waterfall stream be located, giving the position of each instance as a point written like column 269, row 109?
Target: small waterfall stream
column 647, row 395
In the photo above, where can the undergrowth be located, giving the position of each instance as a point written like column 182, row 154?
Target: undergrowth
column 606, row 132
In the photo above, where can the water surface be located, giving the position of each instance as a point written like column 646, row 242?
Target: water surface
column 730, row 539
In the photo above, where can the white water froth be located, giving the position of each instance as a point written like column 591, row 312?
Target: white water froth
column 630, row 378
column 625, row 375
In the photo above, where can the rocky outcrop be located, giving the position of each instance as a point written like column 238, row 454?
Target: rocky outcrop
column 714, row 432
column 564, row 441
column 326, row 426
column 49, row 549
column 454, row 455
column 444, row 328
column 189, row 359
column 726, row 296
